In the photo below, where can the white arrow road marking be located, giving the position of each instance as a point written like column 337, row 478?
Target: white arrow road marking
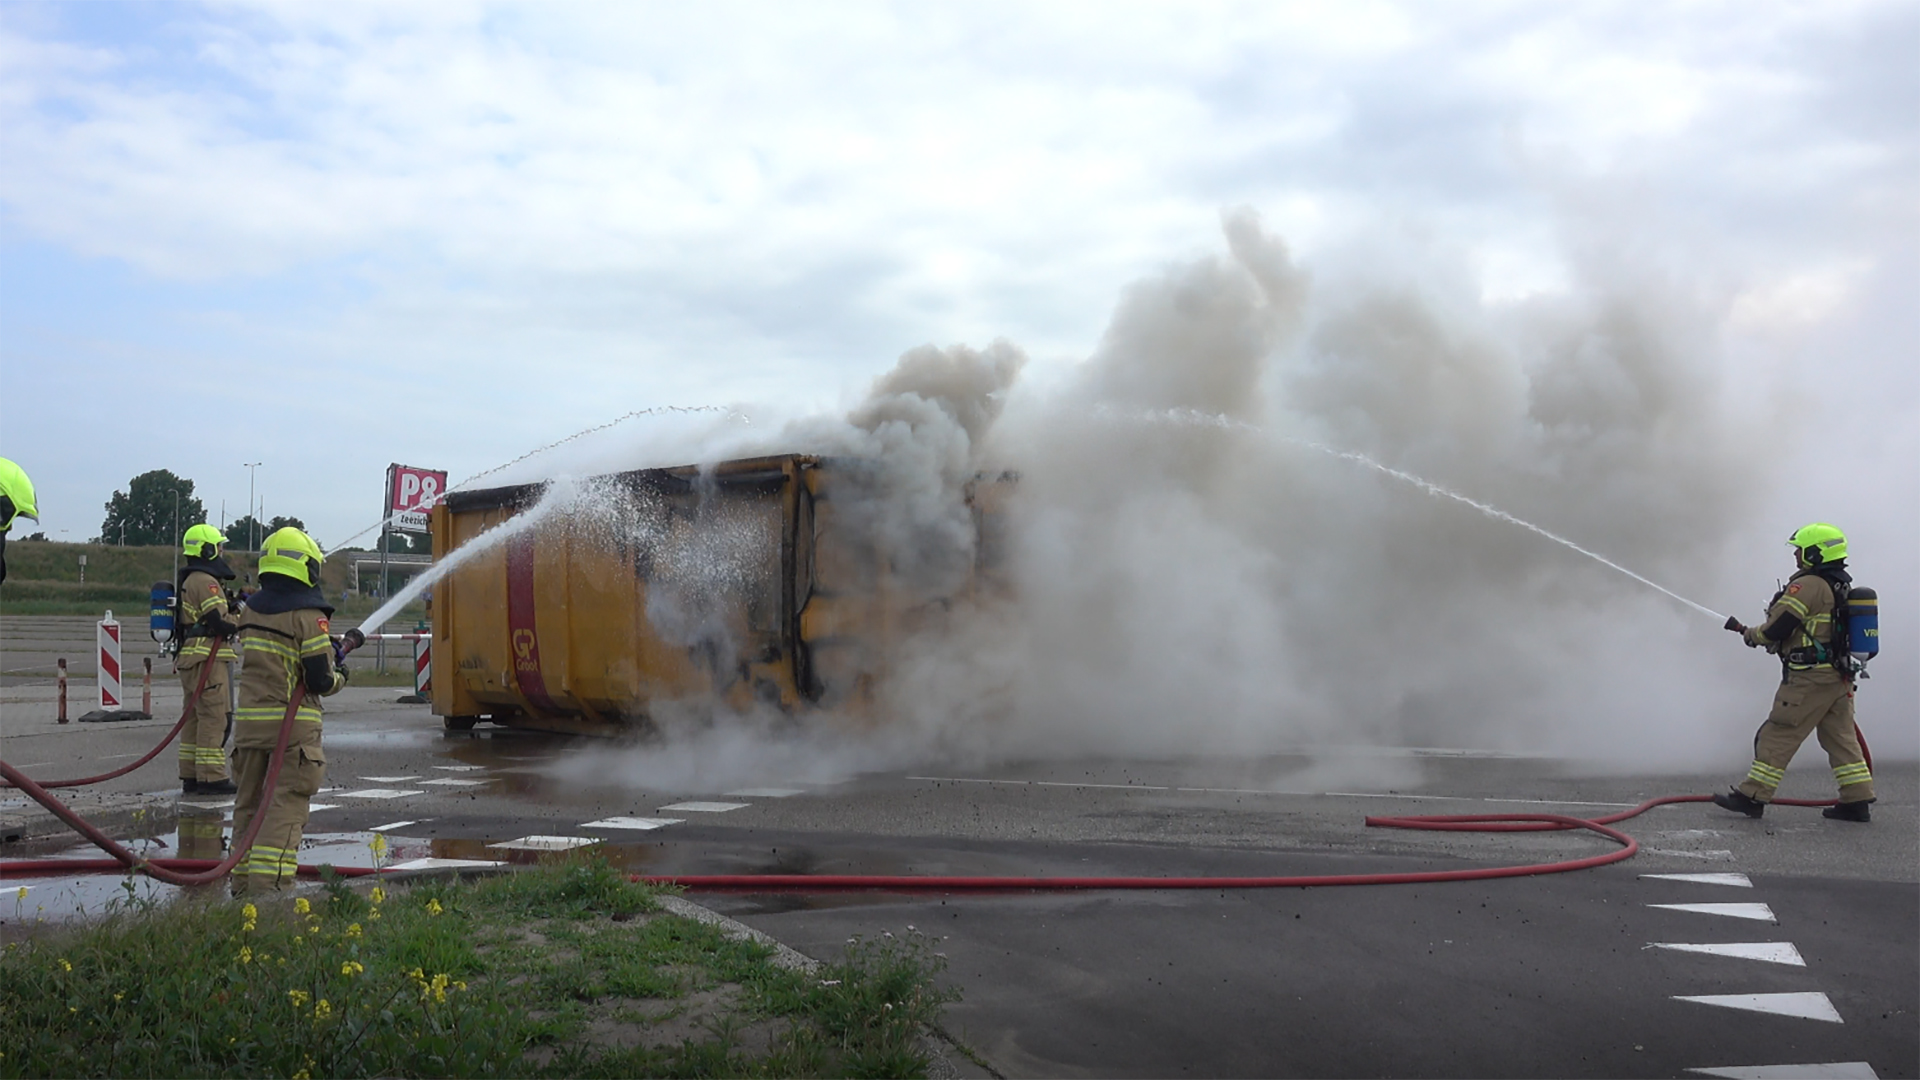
column 545, row 843
column 1830, row 1070
column 1807, row 1006
column 631, row 823
column 1740, row 880
column 1759, row 912
column 706, row 807
column 1773, row 952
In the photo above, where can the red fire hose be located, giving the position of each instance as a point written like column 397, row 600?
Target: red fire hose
column 124, row 859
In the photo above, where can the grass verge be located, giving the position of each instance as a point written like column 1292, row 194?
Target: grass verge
column 564, row 970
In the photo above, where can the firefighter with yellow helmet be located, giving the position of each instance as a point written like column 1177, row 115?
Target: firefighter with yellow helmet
column 284, row 644
column 1816, row 684
column 205, row 615
column 16, row 500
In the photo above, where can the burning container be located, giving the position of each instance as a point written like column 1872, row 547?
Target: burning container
column 758, row 582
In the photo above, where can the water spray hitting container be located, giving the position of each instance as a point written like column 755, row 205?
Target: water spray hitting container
column 160, row 612
column 1863, row 623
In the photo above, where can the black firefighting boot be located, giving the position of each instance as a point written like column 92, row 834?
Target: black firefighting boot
column 1849, row 811
column 189, row 786
column 1740, row 803
column 218, row 787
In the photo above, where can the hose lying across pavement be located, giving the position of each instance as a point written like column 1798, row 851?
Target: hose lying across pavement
column 181, row 871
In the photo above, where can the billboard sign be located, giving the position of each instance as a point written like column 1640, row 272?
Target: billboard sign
column 411, row 493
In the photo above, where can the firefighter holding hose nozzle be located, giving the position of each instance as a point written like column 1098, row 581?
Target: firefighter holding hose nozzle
column 283, row 644
column 1804, row 627
column 205, row 614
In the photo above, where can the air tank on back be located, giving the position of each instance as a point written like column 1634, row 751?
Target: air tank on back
column 1863, row 623
column 160, row 612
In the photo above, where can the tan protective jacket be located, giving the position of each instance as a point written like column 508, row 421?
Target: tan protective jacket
column 201, row 596
column 1808, row 598
column 271, row 649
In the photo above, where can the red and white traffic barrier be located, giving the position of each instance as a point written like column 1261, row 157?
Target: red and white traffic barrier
column 423, row 667
column 109, row 667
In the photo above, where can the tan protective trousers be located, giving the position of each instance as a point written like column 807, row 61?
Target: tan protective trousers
column 275, row 857
column 201, row 756
column 1808, row 701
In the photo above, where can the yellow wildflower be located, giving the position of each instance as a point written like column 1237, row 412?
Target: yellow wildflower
column 299, row 998
column 322, row 1011
column 433, row 907
column 352, row 968
column 379, row 895
column 117, row 997
column 22, row 894
column 246, row 954
column 378, row 844
column 64, row 966
column 300, row 905
column 249, row 912
column 353, row 929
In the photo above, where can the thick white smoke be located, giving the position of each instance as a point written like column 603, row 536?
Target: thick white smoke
column 1191, row 572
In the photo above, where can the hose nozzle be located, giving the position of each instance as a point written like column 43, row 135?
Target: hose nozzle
column 351, row 640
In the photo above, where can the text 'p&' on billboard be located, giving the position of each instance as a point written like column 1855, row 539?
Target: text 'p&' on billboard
column 411, row 493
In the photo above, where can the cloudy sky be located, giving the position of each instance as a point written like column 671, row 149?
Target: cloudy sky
column 330, row 236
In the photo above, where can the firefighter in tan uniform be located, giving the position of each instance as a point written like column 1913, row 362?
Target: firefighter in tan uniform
column 1816, row 685
column 205, row 615
column 283, row 644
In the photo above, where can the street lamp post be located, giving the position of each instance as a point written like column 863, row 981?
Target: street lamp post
column 251, row 521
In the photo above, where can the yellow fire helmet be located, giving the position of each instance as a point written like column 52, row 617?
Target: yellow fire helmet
column 292, row 553
column 18, row 490
column 1818, row 544
column 202, row 541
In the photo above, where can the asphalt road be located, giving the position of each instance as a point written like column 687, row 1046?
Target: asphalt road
column 1560, row 975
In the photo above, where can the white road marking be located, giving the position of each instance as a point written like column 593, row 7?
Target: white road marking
column 766, row 792
column 439, row 864
column 1738, row 880
column 311, row 807
column 460, row 768
column 326, row 790
column 631, row 823
column 391, row 825
column 1689, row 834
column 1773, row 952
column 1710, row 854
column 208, row 805
column 388, row 779
column 378, row 793
column 1757, row 912
column 706, row 807
column 450, row 782
column 546, row 843
column 1805, row 1005
column 1415, row 798
column 1829, row 1070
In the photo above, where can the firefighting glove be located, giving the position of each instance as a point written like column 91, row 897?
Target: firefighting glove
column 341, row 670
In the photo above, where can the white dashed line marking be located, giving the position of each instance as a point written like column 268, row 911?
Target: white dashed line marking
column 311, row 807
column 1773, row 952
column 766, row 793
column 545, row 843
column 1806, row 1006
column 450, row 782
column 1741, row 881
column 389, row 779
column 1710, row 854
column 1830, row 1070
column 378, row 793
column 706, row 807
column 631, row 823
column 391, row 825
column 460, row 768
column 1757, row 912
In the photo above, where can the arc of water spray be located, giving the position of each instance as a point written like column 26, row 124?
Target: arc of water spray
column 1432, row 488
column 621, row 419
